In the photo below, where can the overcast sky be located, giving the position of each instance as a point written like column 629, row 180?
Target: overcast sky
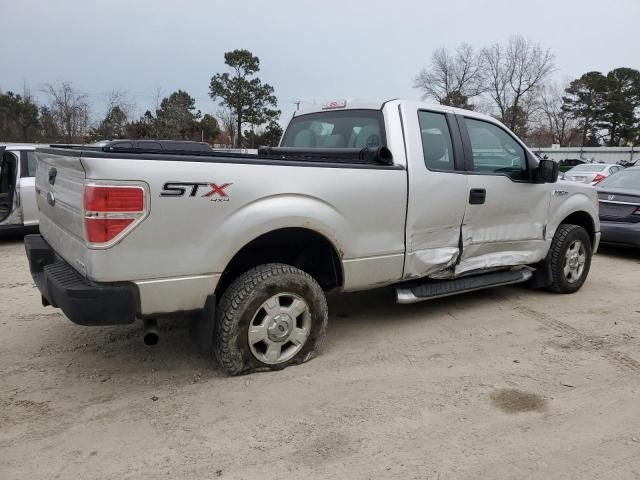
column 309, row 50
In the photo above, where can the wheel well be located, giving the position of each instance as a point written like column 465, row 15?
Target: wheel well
column 584, row 220
column 305, row 249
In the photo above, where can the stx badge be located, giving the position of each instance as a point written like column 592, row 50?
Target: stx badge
column 216, row 192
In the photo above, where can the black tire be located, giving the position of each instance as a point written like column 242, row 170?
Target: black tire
column 243, row 299
column 563, row 239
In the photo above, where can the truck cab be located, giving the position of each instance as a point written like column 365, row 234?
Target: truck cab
column 18, row 208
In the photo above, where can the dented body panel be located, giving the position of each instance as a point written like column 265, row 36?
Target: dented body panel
column 508, row 228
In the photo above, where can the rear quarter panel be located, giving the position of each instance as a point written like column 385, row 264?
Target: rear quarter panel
column 361, row 211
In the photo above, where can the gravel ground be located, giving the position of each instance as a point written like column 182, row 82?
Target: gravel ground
column 504, row 383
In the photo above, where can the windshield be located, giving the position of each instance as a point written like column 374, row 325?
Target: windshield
column 627, row 179
column 336, row 129
column 588, row 167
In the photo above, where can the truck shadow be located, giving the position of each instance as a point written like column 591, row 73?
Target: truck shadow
column 352, row 312
column 119, row 352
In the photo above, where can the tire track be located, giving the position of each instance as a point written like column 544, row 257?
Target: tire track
column 581, row 340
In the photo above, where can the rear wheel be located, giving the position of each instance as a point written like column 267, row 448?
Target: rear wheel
column 569, row 258
column 270, row 317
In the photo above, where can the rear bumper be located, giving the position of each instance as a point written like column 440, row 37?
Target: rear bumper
column 7, row 229
column 620, row 233
column 83, row 301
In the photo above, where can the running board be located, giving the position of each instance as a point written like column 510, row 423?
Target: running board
column 429, row 289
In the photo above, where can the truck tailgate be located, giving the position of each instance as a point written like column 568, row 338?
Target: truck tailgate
column 59, row 188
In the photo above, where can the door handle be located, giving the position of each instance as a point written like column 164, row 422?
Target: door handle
column 477, row 196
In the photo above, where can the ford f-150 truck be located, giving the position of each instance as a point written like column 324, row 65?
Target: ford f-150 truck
column 429, row 200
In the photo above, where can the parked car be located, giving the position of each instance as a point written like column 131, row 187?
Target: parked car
column 627, row 163
column 18, row 209
column 592, row 173
column 620, row 207
column 427, row 199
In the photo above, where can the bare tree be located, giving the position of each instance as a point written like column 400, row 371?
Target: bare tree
column 228, row 122
column 515, row 73
column 69, row 109
column 453, row 77
column 554, row 117
column 157, row 98
column 121, row 100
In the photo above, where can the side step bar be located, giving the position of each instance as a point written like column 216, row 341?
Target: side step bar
column 428, row 289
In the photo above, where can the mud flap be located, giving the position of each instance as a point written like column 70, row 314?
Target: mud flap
column 201, row 327
column 541, row 276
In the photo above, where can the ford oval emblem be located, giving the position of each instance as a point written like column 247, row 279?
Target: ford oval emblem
column 51, row 198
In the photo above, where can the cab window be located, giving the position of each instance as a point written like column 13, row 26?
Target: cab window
column 436, row 141
column 495, row 151
column 336, row 129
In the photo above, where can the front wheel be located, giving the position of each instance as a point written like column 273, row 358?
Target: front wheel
column 569, row 258
column 270, row 317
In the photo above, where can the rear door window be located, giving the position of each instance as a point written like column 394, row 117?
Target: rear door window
column 436, row 141
column 336, row 129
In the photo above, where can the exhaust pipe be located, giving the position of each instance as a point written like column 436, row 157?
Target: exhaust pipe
column 151, row 335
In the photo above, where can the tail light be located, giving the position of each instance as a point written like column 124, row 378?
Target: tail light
column 636, row 212
column 111, row 212
column 598, row 178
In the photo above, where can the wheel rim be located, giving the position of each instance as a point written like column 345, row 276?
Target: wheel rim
column 574, row 260
column 280, row 328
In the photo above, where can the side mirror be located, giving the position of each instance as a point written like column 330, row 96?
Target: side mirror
column 547, row 171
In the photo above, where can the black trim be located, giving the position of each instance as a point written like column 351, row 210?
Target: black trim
column 427, row 288
column 215, row 157
column 466, row 144
column 83, row 301
column 458, row 148
column 24, row 167
column 377, row 155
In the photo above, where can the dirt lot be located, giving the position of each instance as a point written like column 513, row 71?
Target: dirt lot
column 505, row 383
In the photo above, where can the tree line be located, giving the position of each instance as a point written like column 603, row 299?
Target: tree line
column 247, row 116
column 512, row 82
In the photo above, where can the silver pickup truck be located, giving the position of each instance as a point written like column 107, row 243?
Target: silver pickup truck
column 429, row 200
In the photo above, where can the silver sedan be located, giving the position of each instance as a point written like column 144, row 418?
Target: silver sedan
column 591, row 173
